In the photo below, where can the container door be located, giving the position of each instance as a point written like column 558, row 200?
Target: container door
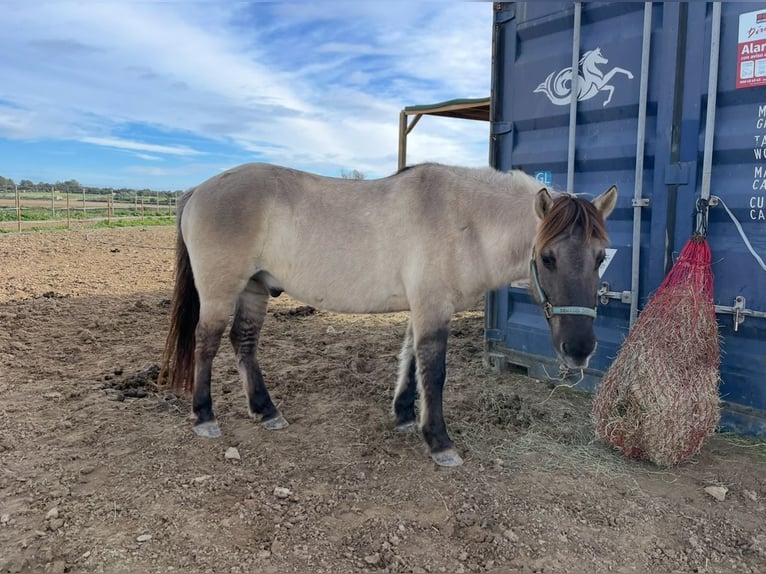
column 531, row 110
column 739, row 179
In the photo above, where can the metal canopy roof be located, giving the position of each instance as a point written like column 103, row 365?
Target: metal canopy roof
column 466, row 109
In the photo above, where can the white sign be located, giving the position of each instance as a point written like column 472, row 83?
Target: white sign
column 751, row 50
column 607, row 260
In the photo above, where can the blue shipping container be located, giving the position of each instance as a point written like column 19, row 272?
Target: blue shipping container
column 644, row 71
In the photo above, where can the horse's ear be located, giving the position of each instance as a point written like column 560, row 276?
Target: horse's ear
column 606, row 201
column 543, row 203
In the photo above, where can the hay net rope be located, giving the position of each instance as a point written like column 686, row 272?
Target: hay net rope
column 659, row 399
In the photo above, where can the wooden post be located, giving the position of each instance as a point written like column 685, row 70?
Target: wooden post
column 53, row 203
column 18, row 209
column 109, row 209
column 68, row 216
column 142, row 208
column 84, row 208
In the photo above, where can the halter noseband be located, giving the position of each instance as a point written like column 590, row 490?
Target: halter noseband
column 549, row 309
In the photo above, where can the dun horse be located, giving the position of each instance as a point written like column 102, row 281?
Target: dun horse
column 429, row 239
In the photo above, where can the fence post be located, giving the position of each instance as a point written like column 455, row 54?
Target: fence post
column 142, row 208
column 53, row 203
column 68, row 217
column 18, row 209
column 84, row 208
column 109, row 209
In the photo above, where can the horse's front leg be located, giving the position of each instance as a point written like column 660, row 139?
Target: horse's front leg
column 430, row 344
column 406, row 385
column 609, row 89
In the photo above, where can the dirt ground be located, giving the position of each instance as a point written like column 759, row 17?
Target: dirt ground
column 100, row 471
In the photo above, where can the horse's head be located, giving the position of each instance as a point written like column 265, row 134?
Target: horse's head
column 593, row 58
column 569, row 249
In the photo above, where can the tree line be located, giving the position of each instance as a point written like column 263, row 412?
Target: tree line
column 73, row 186
column 123, row 193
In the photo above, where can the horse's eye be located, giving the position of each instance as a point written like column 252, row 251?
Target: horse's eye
column 549, row 261
column 600, row 259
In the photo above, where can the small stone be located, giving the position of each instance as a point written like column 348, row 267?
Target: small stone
column 717, row 492
column 750, row 495
column 463, row 556
column 55, row 524
column 281, row 492
column 52, row 513
column 232, row 454
column 85, row 555
column 5, row 518
column 264, row 554
column 87, row 469
column 394, row 539
column 201, row 479
column 510, row 535
column 277, row 547
column 372, row 559
column 144, row 538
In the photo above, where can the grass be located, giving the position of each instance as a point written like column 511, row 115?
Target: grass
column 146, row 222
column 101, row 222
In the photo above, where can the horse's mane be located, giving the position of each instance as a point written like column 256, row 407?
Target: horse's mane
column 569, row 210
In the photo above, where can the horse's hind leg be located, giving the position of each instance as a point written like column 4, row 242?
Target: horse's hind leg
column 245, row 330
column 208, row 336
column 406, row 385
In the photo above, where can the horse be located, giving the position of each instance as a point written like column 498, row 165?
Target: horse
column 558, row 86
column 430, row 239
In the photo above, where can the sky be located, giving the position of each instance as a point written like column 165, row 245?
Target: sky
column 163, row 95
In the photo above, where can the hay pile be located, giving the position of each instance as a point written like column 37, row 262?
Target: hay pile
column 659, row 399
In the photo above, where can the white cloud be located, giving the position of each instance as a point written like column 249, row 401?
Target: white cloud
column 139, row 146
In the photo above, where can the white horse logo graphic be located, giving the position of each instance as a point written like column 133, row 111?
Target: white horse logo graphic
column 590, row 80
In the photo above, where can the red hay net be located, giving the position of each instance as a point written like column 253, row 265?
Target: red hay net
column 659, row 399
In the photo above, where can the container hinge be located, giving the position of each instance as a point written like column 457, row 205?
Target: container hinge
column 499, row 128
column 605, row 295
column 677, row 173
column 740, row 311
column 504, row 13
column 642, row 202
column 493, row 335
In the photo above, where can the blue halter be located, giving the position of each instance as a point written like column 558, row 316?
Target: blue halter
column 549, row 309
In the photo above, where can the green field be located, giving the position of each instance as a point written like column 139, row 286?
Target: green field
column 46, row 210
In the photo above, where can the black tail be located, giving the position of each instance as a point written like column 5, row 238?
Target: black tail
column 178, row 358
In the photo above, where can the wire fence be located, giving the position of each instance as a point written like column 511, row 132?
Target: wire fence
column 23, row 209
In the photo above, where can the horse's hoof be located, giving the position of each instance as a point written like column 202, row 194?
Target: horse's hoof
column 276, row 423
column 447, row 458
column 209, row 429
column 408, row 426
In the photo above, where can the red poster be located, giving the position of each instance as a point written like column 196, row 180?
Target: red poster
column 751, row 50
